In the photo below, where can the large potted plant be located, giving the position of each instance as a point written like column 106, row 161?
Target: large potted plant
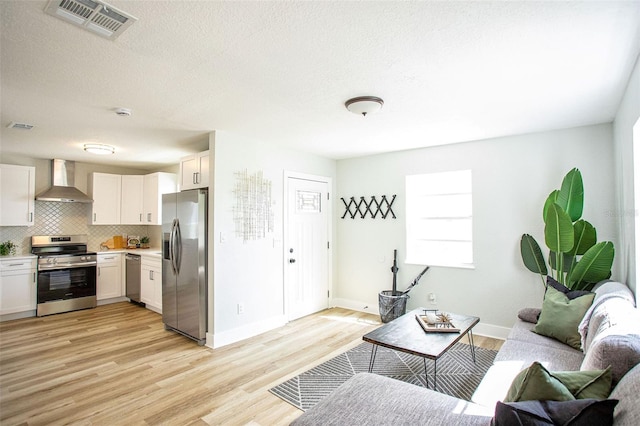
column 575, row 258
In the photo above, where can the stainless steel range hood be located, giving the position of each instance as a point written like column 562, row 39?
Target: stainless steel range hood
column 63, row 181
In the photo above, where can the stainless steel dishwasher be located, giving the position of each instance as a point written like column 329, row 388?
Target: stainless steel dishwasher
column 132, row 265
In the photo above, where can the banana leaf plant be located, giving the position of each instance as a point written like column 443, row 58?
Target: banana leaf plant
column 575, row 258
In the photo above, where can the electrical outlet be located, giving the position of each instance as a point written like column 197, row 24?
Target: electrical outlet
column 240, row 308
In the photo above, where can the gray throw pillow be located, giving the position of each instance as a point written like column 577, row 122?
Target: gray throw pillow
column 529, row 314
column 627, row 412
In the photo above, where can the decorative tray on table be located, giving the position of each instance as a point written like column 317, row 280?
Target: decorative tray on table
column 440, row 323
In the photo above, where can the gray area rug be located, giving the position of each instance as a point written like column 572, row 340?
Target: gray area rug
column 458, row 375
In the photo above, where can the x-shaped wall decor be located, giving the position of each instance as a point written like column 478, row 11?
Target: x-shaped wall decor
column 374, row 207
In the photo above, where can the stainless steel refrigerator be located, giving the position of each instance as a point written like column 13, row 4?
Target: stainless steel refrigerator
column 184, row 263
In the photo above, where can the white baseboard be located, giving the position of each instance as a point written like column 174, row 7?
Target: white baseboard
column 223, row 338
column 490, row 330
column 112, row 300
column 355, row 305
column 482, row 329
column 18, row 315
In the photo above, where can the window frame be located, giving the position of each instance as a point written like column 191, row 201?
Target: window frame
column 455, row 190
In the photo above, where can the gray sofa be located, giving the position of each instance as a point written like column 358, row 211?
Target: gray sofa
column 610, row 336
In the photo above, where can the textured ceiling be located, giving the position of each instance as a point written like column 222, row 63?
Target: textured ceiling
column 281, row 72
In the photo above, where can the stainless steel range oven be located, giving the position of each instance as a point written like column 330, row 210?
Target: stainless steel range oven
column 66, row 273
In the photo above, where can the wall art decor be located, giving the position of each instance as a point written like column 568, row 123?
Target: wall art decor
column 373, row 207
column 252, row 213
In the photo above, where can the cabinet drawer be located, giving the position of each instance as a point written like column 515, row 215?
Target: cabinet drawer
column 17, row 265
column 107, row 259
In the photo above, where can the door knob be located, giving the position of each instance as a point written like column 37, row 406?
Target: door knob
column 292, row 261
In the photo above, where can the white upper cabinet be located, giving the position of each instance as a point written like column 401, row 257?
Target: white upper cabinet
column 194, row 171
column 129, row 199
column 156, row 184
column 17, row 195
column 105, row 189
column 132, row 200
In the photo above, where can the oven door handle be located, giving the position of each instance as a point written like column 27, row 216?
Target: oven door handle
column 66, row 265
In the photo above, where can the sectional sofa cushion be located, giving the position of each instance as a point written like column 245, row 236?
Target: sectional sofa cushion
column 368, row 399
column 523, row 332
column 627, row 412
column 620, row 351
column 560, row 316
column 536, row 382
column 581, row 412
column 613, row 305
column 516, row 355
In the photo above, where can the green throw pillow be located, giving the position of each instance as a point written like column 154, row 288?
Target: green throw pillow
column 560, row 316
column 594, row 384
column 537, row 383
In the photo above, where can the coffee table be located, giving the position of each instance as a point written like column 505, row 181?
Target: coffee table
column 405, row 334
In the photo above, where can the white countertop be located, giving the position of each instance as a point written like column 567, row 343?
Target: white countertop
column 152, row 252
column 21, row 256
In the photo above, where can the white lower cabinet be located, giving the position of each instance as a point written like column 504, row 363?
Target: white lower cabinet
column 151, row 283
column 18, row 291
column 109, row 280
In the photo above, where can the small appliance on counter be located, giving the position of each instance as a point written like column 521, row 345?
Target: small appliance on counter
column 133, row 242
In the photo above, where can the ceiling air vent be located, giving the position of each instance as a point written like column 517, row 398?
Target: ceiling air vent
column 95, row 16
column 21, row 126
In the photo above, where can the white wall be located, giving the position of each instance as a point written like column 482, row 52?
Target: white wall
column 626, row 211
column 512, row 177
column 250, row 272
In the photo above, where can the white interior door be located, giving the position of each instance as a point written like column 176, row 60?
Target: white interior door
column 307, row 247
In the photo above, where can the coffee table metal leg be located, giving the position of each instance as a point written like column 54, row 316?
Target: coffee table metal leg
column 374, row 349
column 472, row 345
column 426, row 374
column 435, row 374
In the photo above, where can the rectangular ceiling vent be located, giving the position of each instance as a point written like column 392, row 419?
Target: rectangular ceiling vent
column 93, row 15
column 21, row 126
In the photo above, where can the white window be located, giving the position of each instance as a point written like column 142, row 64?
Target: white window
column 439, row 219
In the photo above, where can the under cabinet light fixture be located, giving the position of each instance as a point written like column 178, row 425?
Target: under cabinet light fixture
column 98, row 148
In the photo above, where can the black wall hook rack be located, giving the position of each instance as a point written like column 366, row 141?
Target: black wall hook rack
column 373, row 207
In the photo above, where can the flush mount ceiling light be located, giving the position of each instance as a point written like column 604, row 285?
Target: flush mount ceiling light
column 123, row 112
column 98, row 148
column 364, row 105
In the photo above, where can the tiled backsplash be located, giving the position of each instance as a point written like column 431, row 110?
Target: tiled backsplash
column 53, row 218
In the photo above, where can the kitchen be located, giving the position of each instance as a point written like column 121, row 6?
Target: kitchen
column 121, row 214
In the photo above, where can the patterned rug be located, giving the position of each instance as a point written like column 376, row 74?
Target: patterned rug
column 457, row 374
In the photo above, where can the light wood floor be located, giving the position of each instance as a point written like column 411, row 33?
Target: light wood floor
column 116, row 365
